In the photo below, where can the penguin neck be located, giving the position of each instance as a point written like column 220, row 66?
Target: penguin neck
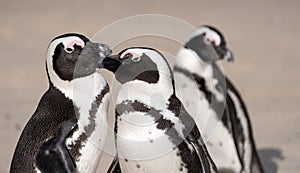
column 155, row 95
column 80, row 90
column 188, row 61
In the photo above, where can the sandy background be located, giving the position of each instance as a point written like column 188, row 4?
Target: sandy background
column 263, row 35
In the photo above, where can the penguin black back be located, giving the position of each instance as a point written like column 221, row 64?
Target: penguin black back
column 53, row 111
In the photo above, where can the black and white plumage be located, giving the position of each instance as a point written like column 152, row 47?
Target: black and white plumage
column 214, row 102
column 66, row 132
column 154, row 133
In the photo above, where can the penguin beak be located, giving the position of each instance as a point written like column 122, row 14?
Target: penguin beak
column 107, row 61
column 229, row 56
column 224, row 53
column 111, row 63
column 104, row 50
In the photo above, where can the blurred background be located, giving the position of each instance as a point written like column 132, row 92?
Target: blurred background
column 264, row 36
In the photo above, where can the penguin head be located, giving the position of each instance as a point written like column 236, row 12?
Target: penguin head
column 141, row 64
column 209, row 44
column 72, row 56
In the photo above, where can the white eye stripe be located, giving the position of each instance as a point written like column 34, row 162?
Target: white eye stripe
column 125, row 54
column 129, row 54
column 212, row 40
column 73, row 42
column 212, row 37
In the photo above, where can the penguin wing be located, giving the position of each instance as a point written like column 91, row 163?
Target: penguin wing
column 53, row 156
column 237, row 128
column 115, row 166
column 238, row 111
column 194, row 137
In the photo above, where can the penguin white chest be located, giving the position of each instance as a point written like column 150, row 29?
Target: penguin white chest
column 222, row 149
column 142, row 147
column 90, row 135
column 169, row 162
column 194, row 101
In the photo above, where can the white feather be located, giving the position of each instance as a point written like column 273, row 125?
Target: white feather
column 83, row 92
column 189, row 60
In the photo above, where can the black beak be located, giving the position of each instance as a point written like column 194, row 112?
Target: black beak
column 104, row 50
column 225, row 53
column 229, row 56
column 111, row 63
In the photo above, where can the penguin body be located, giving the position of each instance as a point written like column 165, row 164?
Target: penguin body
column 66, row 132
column 214, row 102
column 154, row 133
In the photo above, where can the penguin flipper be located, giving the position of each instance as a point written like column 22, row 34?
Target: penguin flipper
column 194, row 138
column 115, row 166
column 54, row 157
column 238, row 129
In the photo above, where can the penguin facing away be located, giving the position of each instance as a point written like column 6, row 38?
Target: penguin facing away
column 66, row 132
column 154, row 132
column 214, row 102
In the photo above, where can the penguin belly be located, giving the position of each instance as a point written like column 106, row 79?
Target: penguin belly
column 169, row 162
column 145, row 148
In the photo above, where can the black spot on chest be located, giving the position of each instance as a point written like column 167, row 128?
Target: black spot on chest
column 199, row 81
column 190, row 159
column 135, row 106
column 88, row 129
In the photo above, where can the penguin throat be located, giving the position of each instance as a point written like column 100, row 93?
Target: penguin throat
column 155, row 95
column 207, row 82
column 188, row 60
column 80, row 89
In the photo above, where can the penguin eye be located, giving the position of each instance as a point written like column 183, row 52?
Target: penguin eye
column 212, row 41
column 207, row 40
column 136, row 59
column 70, row 47
column 69, row 50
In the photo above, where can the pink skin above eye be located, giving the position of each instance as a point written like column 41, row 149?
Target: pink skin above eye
column 77, row 42
column 214, row 39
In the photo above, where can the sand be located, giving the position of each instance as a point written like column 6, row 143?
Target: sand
column 264, row 37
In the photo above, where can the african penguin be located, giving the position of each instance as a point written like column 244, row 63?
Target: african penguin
column 154, row 133
column 210, row 98
column 66, row 132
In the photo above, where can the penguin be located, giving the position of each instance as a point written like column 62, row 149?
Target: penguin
column 214, row 102
column 154, row 132
column 67, row 130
